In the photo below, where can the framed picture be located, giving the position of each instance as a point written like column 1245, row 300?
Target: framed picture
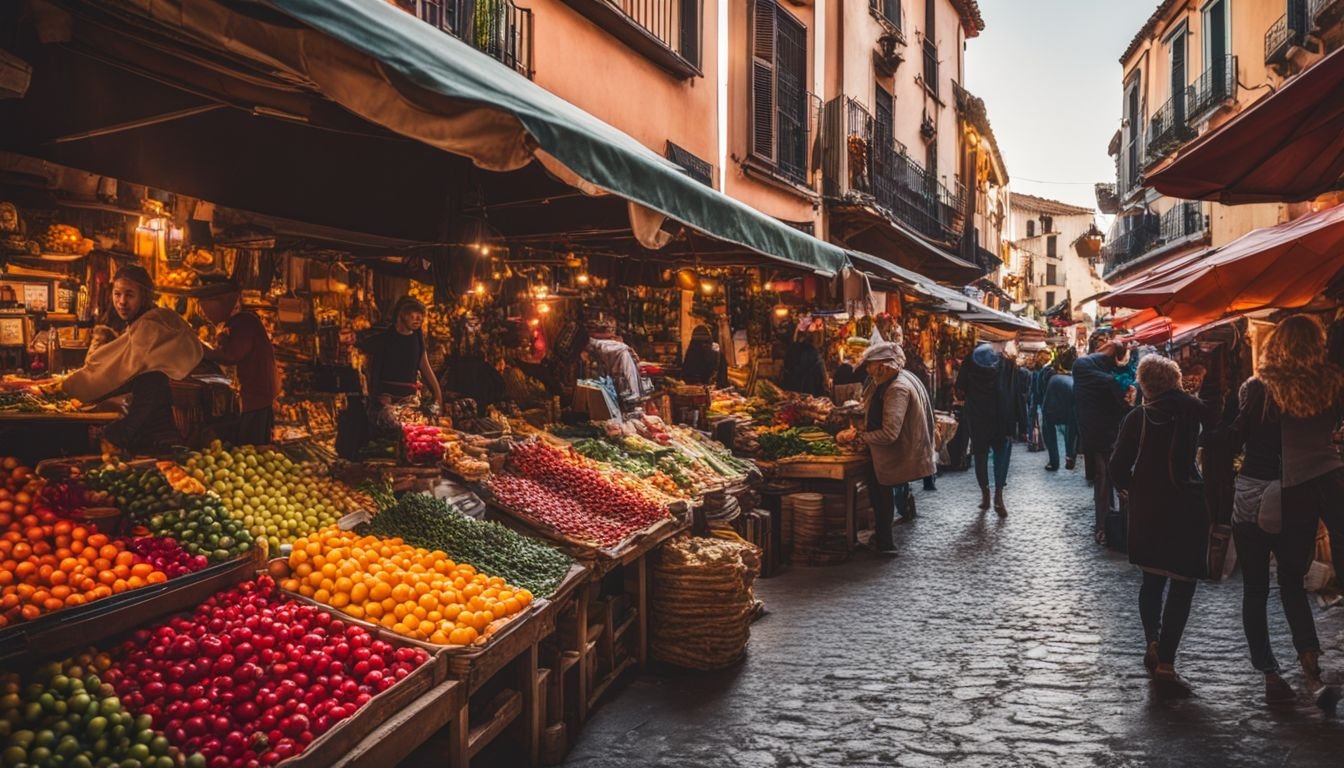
column 33, row 295
column 11, row 332
column 37, row 296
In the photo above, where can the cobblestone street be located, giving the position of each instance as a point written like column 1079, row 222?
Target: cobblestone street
column 985, row 643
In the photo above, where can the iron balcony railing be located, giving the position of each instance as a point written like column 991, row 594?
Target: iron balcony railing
column 1167, row 128
column 1129, row 245
column 497, row 28
column 1182, row 221
column 1290, row 30
column 674, row 23
column 861, row 162
column 1214, row 88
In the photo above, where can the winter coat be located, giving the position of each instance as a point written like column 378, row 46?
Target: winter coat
column 617, row 360
column 1039, row 381
column 978, row 383
column 902, row 446
column 1154, row 460
column 1057, row 405
column 158, row 341
column 701, row 365
column 1099, row 401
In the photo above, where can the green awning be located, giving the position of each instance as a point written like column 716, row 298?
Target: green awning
column 392, row 69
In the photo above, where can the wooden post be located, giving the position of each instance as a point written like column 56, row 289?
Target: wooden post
column 459, row 739
column 642, row 605
column 581, row 617
column 851, row 494
column 532, row 703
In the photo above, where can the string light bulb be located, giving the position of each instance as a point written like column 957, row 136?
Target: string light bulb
column 544, row 309
column 581, row 278
column 478, row 289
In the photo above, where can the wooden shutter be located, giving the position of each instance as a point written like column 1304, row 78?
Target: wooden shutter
column 761, row 141
column 791, row 96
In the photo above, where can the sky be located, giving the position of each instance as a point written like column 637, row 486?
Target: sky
column 1049, row 73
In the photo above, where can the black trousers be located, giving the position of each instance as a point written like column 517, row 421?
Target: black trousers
column 1103, row 497
column 1254, row 547
column 1164, row 619
column 884, row 508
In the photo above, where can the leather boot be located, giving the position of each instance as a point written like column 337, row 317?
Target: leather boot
column 1326, row 696
column 1277, row 690
column 984, row 497
column 999, row 507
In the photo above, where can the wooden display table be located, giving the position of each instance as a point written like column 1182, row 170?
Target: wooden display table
column 847, row 470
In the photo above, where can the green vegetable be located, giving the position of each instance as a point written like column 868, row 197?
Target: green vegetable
column 424, row 521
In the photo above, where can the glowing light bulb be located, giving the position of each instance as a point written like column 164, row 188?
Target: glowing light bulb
column 582, row 278
column 544, row 309
column 478, row 289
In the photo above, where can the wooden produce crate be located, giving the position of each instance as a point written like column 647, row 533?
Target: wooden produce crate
column 397, row 737
column 65, row 631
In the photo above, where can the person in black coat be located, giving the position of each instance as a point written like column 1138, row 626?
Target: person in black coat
column 701, row 365
column 804, row 369
column 1100, row 402
column 994, row 412
column 1154, row 463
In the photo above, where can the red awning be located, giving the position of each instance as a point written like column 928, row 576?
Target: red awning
column 1288, row 146
column 1282, row 267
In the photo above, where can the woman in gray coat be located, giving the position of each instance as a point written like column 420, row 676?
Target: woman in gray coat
column 897, row 432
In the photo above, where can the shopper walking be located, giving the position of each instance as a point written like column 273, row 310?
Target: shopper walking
column 1256, row 522
column 1154, row 463
column 1057, row 412
column 896, row 433
column 1100, row 403
column 994, row 412
column 1305, row 388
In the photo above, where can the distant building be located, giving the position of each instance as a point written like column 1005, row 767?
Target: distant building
column 1050, row 272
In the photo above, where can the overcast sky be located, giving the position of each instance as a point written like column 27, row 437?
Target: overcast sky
column 1049, row 73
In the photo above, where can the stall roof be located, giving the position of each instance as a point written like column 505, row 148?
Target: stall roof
column 1288, row 146
column 1285, row 266
column 952, row 301
column 358, row 115
column 365, row 50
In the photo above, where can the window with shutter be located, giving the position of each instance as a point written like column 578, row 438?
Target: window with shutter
column 1051, row 275
column 1049, row 299
column 1052, row 247
column 1031, row 227
column 763, row 79
column 780, row 120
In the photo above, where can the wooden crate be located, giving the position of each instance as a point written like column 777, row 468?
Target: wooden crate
column 60, row 633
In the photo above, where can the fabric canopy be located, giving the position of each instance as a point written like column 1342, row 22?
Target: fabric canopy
column 392, row 69
column 1288, row 146
column 1284, row 267
column 951, row 300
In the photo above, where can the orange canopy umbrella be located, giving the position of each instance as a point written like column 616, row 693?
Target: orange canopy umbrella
column 1288, row 146
column 1284, row 267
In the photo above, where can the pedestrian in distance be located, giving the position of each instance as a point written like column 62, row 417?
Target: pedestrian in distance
column 995, row 412
column 895, row 432
column 1100, row 402
column 1057, row 412
column 1305, row 388
column 1154, row 463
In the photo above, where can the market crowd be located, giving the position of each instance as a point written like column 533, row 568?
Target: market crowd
column 1179, row 464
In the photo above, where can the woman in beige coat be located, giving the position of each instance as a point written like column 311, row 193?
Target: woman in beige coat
column 897, row 432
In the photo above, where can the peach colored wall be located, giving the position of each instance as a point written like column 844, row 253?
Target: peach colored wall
column 855, row 36
column 584, row 64
column 1249, row 20
column 772, row 198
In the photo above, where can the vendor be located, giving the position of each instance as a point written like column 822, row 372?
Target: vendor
column 703, row 357
column 851, row 371
column 397, row 358
column 519, row 385
column 156, row 346
column 804, row 370
column 243, row 343
column 614, row 358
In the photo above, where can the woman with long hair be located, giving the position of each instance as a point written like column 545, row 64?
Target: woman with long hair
column 1305, row 388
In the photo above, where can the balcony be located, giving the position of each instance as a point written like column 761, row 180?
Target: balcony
column 1216, row 87
column 666, row 32
column 888, row 11
column 1290, row 30
column 1130, row 245
column 1167, row 129
column 1184, row 220
column 497, row 28
column 859, row 165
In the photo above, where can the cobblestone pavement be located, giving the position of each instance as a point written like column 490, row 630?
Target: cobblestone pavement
column 986, row 643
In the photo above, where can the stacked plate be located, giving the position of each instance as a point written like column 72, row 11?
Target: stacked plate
column 818, row 530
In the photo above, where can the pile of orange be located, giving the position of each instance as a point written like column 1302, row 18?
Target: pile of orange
column 414, row 592
column 47, row 563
